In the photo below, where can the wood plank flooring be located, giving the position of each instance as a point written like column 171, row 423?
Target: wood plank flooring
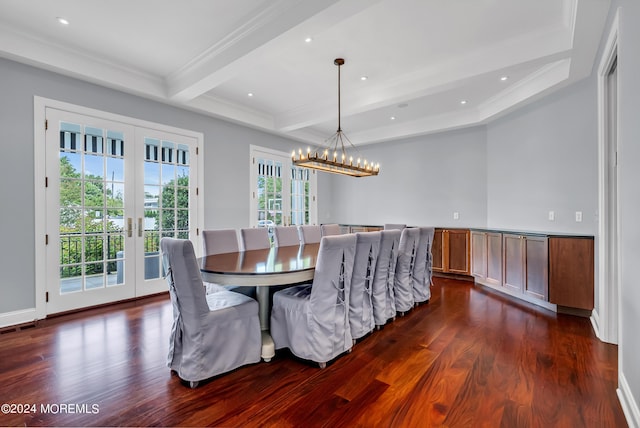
column 468, row 358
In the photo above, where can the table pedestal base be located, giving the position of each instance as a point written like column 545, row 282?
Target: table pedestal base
column 268, row 347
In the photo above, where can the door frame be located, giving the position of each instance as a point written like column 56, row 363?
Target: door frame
column 313, row 203
column 40, row 104
column 606, row 316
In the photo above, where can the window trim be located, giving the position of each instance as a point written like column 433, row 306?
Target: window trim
column 313, row 203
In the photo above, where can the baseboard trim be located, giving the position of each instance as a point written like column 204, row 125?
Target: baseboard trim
column 23, row 316
column 628, row 403
column 595, row 323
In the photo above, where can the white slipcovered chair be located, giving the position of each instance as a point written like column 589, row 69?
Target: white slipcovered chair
column 221, row 241
column 422, row 266
column 394, row 226
column 309, row 234
column 361, row 319
column 213, row 333
column 383, row 297
column 285, row 236
column 330, row 229
column 403, row 281
column 255, row 238
column 312, row 320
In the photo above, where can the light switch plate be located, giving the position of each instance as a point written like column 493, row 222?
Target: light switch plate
column 456, row 215
column 552, row 215
column 578, row 216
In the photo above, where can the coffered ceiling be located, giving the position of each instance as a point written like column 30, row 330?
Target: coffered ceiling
column 430, row 65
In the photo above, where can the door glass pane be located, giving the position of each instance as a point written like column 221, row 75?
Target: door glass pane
column 269, row 194
column 300, row 195
column 91, row 213
column 166, row 178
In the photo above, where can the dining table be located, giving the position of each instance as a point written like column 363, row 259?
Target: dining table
column 264, row 268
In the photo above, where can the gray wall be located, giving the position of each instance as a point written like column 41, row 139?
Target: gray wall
column 629, row 191
column 422, row 181
column 226, row 163
column 544, row 158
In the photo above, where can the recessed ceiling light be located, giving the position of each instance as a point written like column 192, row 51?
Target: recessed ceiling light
column 392, row 118
column 363, row 78
column 250, row 94
column 463, row 102
column 62, row 20
column 308, row 40
column 503, row 78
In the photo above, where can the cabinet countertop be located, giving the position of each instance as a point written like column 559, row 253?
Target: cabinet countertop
column 532, row 233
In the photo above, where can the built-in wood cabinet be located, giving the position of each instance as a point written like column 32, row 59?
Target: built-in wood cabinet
column 572, row 283
column 486, row 257
column 353, row 228
column 550, row 270
column 526, row 265
column 451, row 251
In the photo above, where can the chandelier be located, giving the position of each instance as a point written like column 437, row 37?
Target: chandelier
column 333, row 156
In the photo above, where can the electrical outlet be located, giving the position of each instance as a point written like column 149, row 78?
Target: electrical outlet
column 456, row 215
column 578, row 216
column 552, row 215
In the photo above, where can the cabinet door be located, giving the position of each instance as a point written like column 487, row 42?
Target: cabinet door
column 479, row 255
column 536, row 283
column 458, row 255
column 494, row 259
column 436, row 251
column 513, row 262
column 571, row 272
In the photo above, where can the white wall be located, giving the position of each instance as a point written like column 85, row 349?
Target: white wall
column 422, row 181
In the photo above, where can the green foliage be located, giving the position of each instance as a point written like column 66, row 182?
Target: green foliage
column 89, row 218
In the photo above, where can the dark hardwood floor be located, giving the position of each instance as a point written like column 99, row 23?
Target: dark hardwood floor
column 469, row 358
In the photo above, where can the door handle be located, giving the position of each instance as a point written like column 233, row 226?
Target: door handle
column 129, row 227
column 139, row 227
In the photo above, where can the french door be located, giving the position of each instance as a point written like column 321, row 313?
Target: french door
column 113, row 191
column 282, row 194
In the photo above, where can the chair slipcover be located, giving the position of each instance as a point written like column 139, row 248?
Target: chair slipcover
column 360, row 304
column 309, row 234
column 421, row 267
column 312, row 320
column 255, row 238
column 211, row 334
column 403, row 286
column 286, row 235
column 330, row 229
column 394, row 226
column 221, row 241
column 383, row 297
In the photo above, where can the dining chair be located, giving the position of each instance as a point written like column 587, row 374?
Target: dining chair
column 211, row 333
column 330, row 229
column 255, row 238
column 286, row 235
column 383, row 296
column 361, row 319
column 312, row 320
column 421, row 268
column 221, row 241
column 394, row 226
column 403, row 281
column 309, row 234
